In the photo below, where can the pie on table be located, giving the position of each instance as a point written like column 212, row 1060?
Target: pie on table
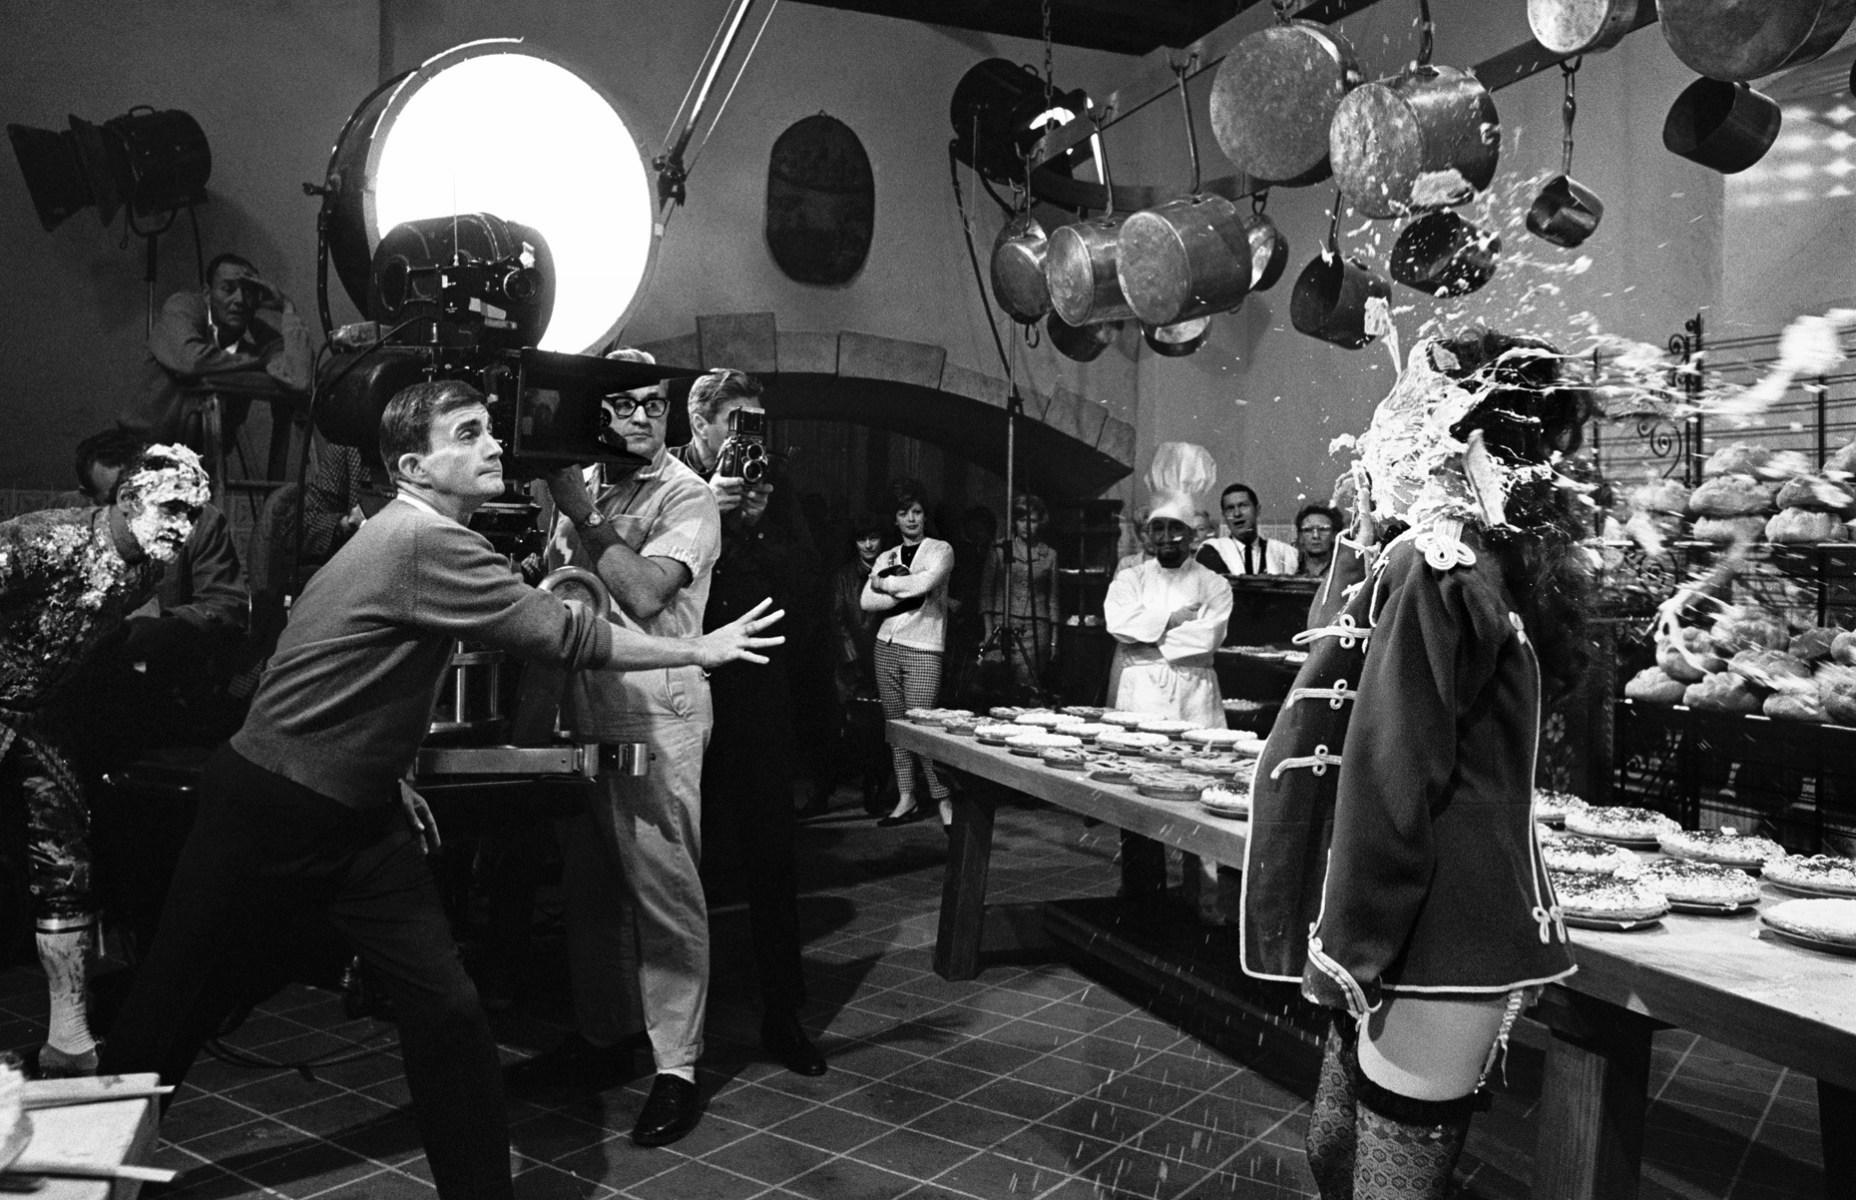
column 1169, row 785
column 1700, row 882
column 1620, row 822
column 1609, row 898
column 1826, row 920
column 1725, row 845
column 1037, row 743
column 1822, row 872
column 1577, row 855
column 1552, row 807
column 1065, row 758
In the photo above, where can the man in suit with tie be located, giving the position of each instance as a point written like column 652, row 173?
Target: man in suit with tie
column 1245, row 551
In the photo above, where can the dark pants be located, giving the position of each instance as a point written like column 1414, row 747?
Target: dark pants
column 263, row 851
column 748, row 823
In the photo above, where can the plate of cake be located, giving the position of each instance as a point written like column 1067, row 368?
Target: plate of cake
column 1086, row 712
column 1109, row 768
column 1703, row 888
column 1575, row 854
column 1089, row 731
column 1045, row 718
column 1822, row 924
column 1550, row 808
column 1726, row 846
column 1624, row 825
column 1130, row 741
column 1129, row 720
column 996, row 734
column 1813, row 874
column 1169, row 785
column 1033, row 744
column 1222, row 801
column 1065, row 758
column 1610, row 902
column 1171, row 726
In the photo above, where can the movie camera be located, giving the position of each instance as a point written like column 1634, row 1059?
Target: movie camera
column 744, row 453
column 468, row 297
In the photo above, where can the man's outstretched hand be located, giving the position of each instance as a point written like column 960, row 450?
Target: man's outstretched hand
column 738, row 640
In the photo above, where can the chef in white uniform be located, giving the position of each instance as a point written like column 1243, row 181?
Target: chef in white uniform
column 1168, row 614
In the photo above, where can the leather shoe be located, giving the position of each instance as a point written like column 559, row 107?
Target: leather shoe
column 782, row 1037
column 902, row 818
column 577, row 1065
column 670, row 1111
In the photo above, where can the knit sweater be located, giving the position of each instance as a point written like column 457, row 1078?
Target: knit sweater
column 348, row 694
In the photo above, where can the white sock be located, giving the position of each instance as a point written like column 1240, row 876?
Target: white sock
column 686, row 1074
column 62, row 956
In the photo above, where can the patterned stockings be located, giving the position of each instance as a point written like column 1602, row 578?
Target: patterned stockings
column 1368, row 1143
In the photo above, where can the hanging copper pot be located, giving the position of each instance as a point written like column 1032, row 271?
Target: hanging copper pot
column 1724, row 126
column 1427, row 138
column 1275, row 95
column 1083, row 344
column 1583, row 26
column 1178, row 339
column 1081, row 265
column 1332, row 294
column 1018, row 269
column 1737, row 40
column 1566, row 212
column 1269, row 249
column 1187, row 258
column 1441, row 254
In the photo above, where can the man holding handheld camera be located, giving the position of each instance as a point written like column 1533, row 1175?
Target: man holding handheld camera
column 747, row 781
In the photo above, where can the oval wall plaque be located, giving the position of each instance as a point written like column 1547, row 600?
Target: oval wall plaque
column 821, row 201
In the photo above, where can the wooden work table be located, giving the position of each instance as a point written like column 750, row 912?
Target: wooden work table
column 1720, row 977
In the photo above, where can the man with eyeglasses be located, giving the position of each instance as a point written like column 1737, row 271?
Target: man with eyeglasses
column 637, row 919
column 1316, row 527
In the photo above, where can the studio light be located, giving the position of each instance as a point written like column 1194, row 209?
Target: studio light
column 153, row 162
column 1000, row 112
column 494, row 127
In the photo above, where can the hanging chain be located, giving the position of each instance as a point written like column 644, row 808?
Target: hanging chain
column 1568, row 110
column 1048, row 70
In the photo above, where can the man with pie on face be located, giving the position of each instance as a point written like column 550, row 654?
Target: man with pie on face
column 306, row 810
column 69, row 578
column 237, row 327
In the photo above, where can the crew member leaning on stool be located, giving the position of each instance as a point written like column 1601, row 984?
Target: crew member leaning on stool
column 69, row 578
column 306, row 808
column 214, row 333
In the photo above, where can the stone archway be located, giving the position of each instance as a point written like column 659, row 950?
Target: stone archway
column 1070, row 445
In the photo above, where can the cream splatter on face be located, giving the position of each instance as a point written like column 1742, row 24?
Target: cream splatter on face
column 168, row 490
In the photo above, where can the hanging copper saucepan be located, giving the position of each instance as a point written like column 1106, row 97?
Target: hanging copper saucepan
column 1269, row 249
column 1724, row 126
column 1583, row 26
column 1080, row 267
column 1426, row 138
column 1187, row 258
column 1566, row 212
column 1178, row 339
column 1275, row 95
column 1083, row 344
column 1737, row 40
column 1332, row 294
column 1441, row 254
column 1018, row 269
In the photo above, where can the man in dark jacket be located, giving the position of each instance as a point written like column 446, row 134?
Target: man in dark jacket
column 747, row 779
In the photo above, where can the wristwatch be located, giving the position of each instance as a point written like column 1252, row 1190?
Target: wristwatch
column 592, row 520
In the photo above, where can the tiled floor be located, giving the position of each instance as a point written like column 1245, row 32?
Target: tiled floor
column 1033, row 1081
